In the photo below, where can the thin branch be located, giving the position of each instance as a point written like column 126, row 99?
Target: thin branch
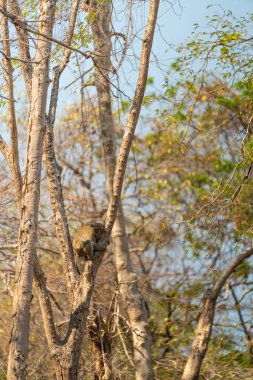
column 80, row 77
column 61, row 67
column 69, row 34
column 123, row 55
column 15, row 20
column 52, row 168
column 78, row 173
column 45, row 305
column 124, row 346
column 8, row 71
column 15, row 58
column 239, row 312
column 23, row 43
column 227, row 272
column 132, row 118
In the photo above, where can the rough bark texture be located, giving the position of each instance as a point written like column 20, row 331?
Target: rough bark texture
column 201, row 340
column 8, row 71
column 205, row 322
column 65, row 352
column 127, row 279
column 45, row 305
column 68, row 351
column 101, row 348
column 30, row 201
column 54, row 171
column 57, row 205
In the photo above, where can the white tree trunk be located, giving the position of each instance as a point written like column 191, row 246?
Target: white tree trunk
column 30, row 200
column 129, row 289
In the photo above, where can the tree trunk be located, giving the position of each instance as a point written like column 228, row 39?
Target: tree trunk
column 127, row 279
column 66, row 352
column 8, row 76
column 18, row 350
column 204, row 329
column 201, row 340
column 101, row 347
column 66, row 368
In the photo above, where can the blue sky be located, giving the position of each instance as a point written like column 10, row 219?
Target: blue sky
column 175, row 24
column 179, row 26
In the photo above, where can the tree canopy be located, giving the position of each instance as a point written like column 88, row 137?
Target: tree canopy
column 166, row 173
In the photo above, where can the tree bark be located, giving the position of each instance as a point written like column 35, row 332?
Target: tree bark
column 57, row 204
column 23, row 43
column 67, row 353
column 8, row 76
column 18, row 350
column 204, row 329
column 101, row 347
column 127, row 279
column 52, row 168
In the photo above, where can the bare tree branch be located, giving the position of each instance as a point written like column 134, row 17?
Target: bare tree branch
column 23, row 43
column 243, row 325
column 15, row 19
column 8, row 70
column 133, row 116
column 53, row 170
column 45, row 305
column 204, row 329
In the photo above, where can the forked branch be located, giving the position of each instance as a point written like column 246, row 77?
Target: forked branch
column 204, row 329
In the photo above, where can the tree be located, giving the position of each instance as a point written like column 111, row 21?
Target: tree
column 65, row 352
column 222, row 104
column 171, row 296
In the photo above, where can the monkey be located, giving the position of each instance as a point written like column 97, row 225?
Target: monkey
column 85, row 242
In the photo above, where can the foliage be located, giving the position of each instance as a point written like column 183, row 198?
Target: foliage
column 187, row 198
